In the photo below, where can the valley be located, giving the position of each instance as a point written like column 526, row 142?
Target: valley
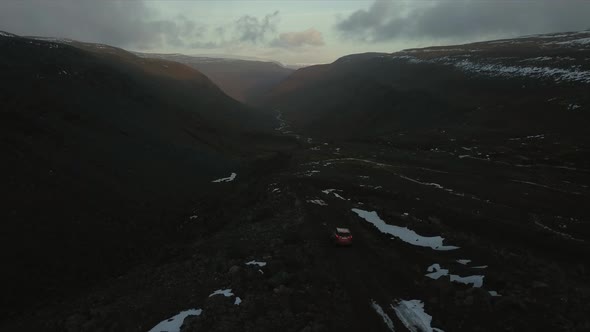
column 511, row 241
column 467, row 214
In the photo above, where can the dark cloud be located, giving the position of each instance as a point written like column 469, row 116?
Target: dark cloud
column 463, row 19
column 362, row 20
column 251, row 29
column 131, row 24
column 120, row 23
column 309, row 37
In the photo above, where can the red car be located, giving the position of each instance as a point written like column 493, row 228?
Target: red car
column 342, row 236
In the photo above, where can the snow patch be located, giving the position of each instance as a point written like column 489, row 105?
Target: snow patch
column 282, row 123
column 237, row 301
column 547, row 187
column 333, row 192
column 464, row 261
column 475, row 281
column 480, row 267
column 581, row 41
column 494, row 293
column 317, row 202
column 259, row 264
column 408, row 58
column 403, row 233
column 498, row 70
column 224, row 292
column 573, row 74
column 562, row 234
column 541, row 58
column 430, row 184
column 411, row 313
column 383, row 315
column 436, row 271
column 540, row 136
column 174, row 323
column 227, row 179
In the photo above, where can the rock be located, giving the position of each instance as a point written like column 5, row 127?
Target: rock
column 539, row 284
column 468, row 301
column 282, row 289
column 583, row 326
column 317, row 327
column 510, row 303
column 276, row 242
column 483, row 299
column 434, row 220
column 280, row 278
column 306, row 329
column 75, row 322
column 234, row 269
column 90, row 326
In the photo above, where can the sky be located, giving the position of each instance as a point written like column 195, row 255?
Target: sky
column 289, row 31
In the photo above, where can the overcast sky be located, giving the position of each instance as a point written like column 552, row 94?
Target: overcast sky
column 302, row 31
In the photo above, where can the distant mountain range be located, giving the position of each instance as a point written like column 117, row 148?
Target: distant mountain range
column 529, row 84
column 243, row 80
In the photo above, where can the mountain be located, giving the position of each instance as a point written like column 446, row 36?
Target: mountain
column 530, row 84
column 104, row 154
column 243, row 80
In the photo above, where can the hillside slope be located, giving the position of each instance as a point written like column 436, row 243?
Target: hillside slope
column 530, row 84
column 243, row 80
column 103, row 155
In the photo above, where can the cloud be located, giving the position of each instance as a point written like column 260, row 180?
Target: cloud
column 367, row 19
column 144, row 26
column 251, row 29
column 128, row 24
column 119, row 23
column 460, row 20
column 246, row 30
column 309, row 37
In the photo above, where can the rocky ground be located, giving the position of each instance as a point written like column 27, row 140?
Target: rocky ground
column 260, row 258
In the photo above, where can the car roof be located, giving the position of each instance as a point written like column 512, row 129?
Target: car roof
column 342, row 230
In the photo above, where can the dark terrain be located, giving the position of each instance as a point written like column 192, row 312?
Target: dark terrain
column 497, row 165
column 103, row 152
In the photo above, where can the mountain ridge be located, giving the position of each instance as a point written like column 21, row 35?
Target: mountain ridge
column 243, row 80
column 442, row 72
